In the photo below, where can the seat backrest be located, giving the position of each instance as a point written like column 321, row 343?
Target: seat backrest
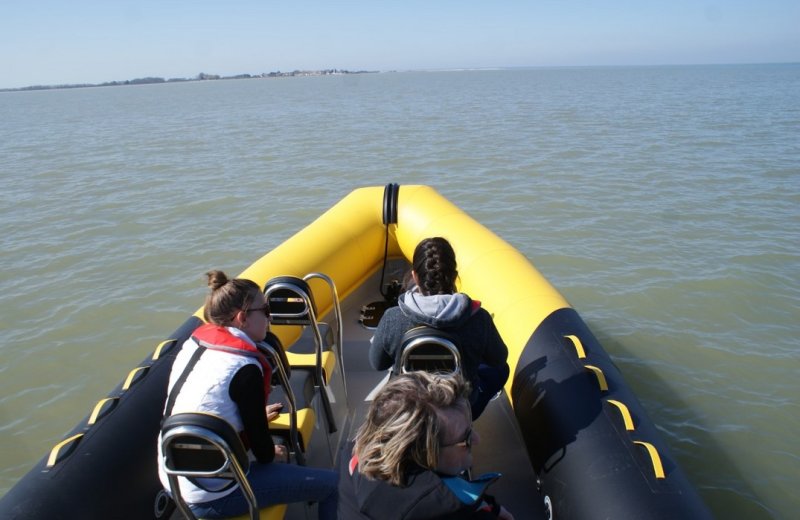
column 290, row 300
column 201, row 442
column 201, row 445
column 429, row 349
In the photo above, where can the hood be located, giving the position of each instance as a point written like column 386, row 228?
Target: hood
column 441, row 311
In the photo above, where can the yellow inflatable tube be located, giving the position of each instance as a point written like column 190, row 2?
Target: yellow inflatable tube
column 347, row 244
column 490, row 269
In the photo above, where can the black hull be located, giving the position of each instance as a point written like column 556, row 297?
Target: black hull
column 588, row 463
column 110, row 472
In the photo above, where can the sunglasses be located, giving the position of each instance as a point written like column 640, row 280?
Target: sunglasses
column 264, row 309
column 466, row 442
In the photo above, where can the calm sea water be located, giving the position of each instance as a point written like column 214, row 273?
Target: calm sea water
column 663, row 202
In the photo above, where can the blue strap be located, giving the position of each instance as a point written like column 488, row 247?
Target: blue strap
column 470, row 491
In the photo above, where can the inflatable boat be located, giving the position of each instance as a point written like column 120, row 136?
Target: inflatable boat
column 568, row 435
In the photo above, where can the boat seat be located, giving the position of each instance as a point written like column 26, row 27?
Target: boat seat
column 201, row 445
column 301, row 383
column 302, row 353
column 308, row 361
column 429, row 349
column 292, row 303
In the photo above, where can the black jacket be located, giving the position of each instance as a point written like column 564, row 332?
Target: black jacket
column 426, row 497
column 479, row 341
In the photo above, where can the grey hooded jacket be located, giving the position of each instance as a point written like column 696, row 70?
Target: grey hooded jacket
column 479, row 341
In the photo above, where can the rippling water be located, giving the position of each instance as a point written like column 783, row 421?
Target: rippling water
column 663, row 202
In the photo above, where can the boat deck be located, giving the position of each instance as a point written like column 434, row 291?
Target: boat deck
column 500, row 448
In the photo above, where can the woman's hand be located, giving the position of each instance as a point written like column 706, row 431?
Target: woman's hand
column 273, row 410
column 282, row 454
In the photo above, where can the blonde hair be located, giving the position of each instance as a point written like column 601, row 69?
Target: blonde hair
column 404, row 425
column 227, row 297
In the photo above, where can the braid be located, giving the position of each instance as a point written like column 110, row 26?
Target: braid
column 435, row 266
column 434, row 277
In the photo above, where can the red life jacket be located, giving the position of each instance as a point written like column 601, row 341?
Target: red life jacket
column 219, row 338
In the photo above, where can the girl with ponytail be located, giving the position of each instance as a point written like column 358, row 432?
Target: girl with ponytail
column 221, row 371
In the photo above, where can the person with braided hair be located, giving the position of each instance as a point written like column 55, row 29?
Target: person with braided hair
column 432, row 300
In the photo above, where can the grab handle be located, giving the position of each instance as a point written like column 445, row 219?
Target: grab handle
column 654, row 458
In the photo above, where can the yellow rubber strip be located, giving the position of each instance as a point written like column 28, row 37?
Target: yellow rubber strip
column 305, row 424
column 99, row 408
column 654, row 457
column 132, row 376
column 53, row 458
column 576, row 342
column 273, row 512
column 601, row 378
column 161, row 346
column 626, row 414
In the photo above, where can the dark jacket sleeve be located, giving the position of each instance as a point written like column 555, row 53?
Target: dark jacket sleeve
column 495, row 350
column 382, row 349
column 247, row 391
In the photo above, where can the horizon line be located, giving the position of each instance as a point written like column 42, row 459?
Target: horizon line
column 265, row 75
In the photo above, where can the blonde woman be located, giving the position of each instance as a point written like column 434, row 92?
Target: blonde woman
column 408, row 456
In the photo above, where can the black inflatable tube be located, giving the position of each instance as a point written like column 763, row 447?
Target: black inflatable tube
column 110, row 468
column 587, row 461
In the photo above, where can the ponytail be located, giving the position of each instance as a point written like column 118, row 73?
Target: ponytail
column 227, row 296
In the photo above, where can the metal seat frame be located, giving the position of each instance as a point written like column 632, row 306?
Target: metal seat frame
column 211, row 448
column 307, row 316
column 291, row 399
column 427, row 345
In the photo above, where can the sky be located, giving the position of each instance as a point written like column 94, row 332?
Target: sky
column 49, row 42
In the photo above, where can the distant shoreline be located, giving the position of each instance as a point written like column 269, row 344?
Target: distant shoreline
column 332, row 72
column 200, row 77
